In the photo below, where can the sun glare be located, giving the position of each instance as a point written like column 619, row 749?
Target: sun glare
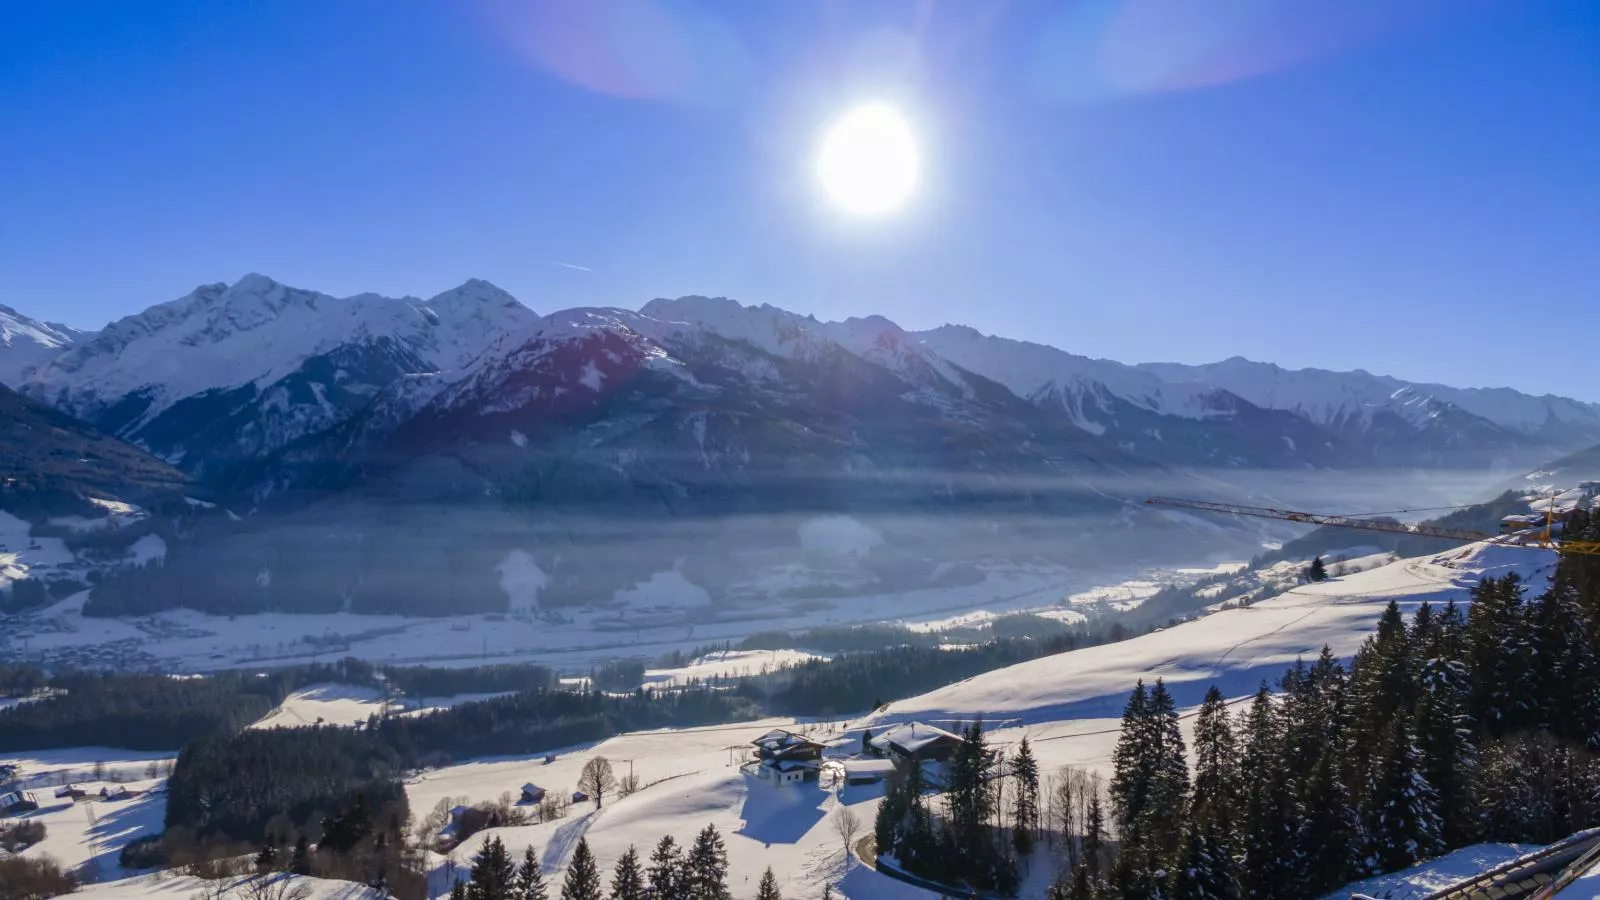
column 868, row 161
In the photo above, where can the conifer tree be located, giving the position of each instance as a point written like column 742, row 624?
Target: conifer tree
column 1216, row 771
column 583, row 875
column 458, row 890
column 1318, row 571
column 1083, row 884
column 1095, row 838
column 529, row 884
column 1169, row 788
column 300, row 863
column 1132, row 767
column 706, row 869
column 1332, row 832
column 1447, row 748
column 1406, row 827
column 768, row 889
column 1270, row 833
column 1025, row 806
column 627, row 879
column 1207, row 871
column 1498, row 654
column 665, row 878
column 1449, row 634
column 969, row 798
column 267, row 859
column 493, row 872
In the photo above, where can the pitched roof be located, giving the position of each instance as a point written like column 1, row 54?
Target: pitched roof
column 910, row 737
column 868, row 767
column 778, row 739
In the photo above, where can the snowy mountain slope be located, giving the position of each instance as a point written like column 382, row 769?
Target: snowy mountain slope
column 240, row 370
column 27, row 343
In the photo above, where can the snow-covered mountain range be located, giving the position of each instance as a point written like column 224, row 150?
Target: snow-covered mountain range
column 231, row 372
column 237, row 371
column 698, row 434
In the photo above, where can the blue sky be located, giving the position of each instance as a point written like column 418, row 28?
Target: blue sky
column 1411, row 188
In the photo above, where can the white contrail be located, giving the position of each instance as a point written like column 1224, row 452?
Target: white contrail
column 571, row 266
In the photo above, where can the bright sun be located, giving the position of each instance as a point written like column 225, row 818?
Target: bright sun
column 868, row 162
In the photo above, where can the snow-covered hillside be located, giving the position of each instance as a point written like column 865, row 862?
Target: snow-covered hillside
column 1234, row 649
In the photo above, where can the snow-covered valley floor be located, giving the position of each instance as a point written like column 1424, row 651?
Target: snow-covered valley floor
column 188, row 641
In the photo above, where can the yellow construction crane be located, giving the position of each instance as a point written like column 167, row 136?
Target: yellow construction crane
column 1542, row 541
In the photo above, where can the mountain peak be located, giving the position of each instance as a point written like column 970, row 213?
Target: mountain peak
column 693, row 308
column 473, row 294
column 254, row 283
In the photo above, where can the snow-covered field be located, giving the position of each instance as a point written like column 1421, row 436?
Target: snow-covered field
column 91, row 833
column 53, row 767
column 730, row 664
column 22, row 556
column 347, row 704
column 692, row 779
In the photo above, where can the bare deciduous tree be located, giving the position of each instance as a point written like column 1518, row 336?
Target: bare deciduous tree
column 628, row 784
column 597, row 780
column 848, row 825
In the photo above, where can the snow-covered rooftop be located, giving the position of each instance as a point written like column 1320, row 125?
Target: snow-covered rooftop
column 912, row 737
column 779, row 739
